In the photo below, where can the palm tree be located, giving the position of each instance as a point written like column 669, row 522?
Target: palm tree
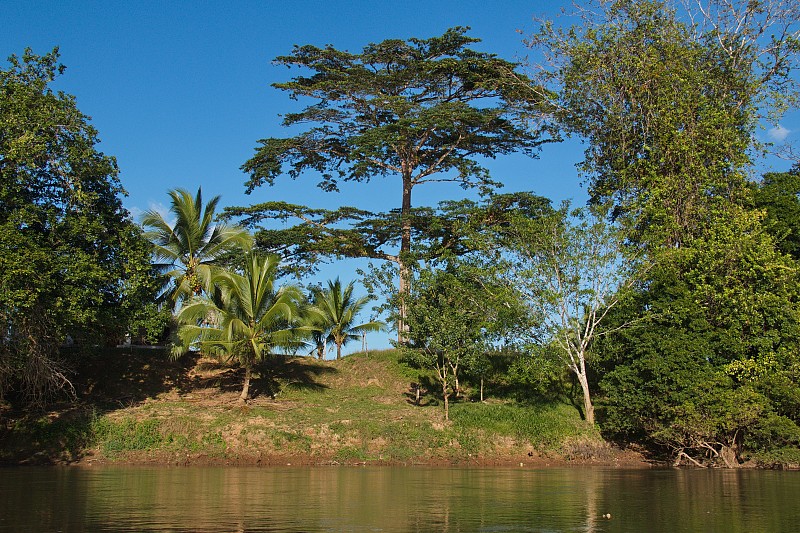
column 338, row 310
column 188, row 249
column 245, row 317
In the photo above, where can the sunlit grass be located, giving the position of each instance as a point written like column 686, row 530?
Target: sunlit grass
column 355, row 410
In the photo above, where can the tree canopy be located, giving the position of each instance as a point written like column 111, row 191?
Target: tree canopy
column 70, row 257
column 668, row 100
column 422, row 110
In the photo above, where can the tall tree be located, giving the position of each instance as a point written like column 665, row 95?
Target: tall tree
column 191, row 245
column 668, row 100
column 571, row 269
column 245, row 317
column 423, row 110
column 68, row 251
column 338, row 310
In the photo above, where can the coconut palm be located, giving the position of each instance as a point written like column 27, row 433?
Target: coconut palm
column 245, row 317
column 338, row 310
column 188, row 249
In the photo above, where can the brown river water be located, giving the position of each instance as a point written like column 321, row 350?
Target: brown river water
column 310, row 499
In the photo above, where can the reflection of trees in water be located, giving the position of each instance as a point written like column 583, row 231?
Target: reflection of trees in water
column 396, row 499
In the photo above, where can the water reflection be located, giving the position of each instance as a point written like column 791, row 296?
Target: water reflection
column 396, row 499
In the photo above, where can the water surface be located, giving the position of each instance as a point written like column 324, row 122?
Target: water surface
column 194, row 499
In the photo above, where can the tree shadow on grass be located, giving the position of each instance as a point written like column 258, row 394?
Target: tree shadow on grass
column 56, row 437
column 423, row 392
column 123, row 377
column 116, row 379
column 278, row 373
column 103, row 380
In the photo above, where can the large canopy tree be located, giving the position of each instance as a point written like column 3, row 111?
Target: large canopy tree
column 71, row 261
column 421, row 110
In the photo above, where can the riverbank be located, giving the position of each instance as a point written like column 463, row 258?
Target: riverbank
column 137, row 407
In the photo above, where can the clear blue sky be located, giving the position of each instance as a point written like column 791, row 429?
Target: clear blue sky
column 180, row 91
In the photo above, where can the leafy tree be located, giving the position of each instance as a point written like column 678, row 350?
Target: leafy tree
column 571, row 269
column 709, row 372
column 668, row 99
column 337, row 310
column 779, row 195
column 192, row 245
column 246, row 317
column 71, row 262
column 667, row 107
column 423, row 110
column 457, row 313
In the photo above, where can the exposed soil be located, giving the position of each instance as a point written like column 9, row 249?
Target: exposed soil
column 621, row 459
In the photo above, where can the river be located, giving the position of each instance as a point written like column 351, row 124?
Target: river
column 195, row 499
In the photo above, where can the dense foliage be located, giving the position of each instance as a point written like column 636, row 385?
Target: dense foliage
column 668, row 101
column 711, row 373
column 72, row 264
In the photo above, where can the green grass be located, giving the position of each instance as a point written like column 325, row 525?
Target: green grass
column 545, row 426
column 354, row 410
column 127, row 434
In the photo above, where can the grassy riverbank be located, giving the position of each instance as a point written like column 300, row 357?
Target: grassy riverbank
column 138, row 407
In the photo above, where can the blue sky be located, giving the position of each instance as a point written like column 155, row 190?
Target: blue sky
column 180, row 91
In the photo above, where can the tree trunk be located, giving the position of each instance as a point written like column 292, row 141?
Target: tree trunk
column 405, row 268
column 338, row 350
column 588, row 408
column 481, row 390
column 446, row 397
column 246, row 387
column 730, row 457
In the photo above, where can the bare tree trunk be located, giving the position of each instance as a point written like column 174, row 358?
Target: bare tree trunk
column 338, row 350
column 246, row 387
column 588, row 408
column 404, row 288
column 481, row 390
column 446, row 400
